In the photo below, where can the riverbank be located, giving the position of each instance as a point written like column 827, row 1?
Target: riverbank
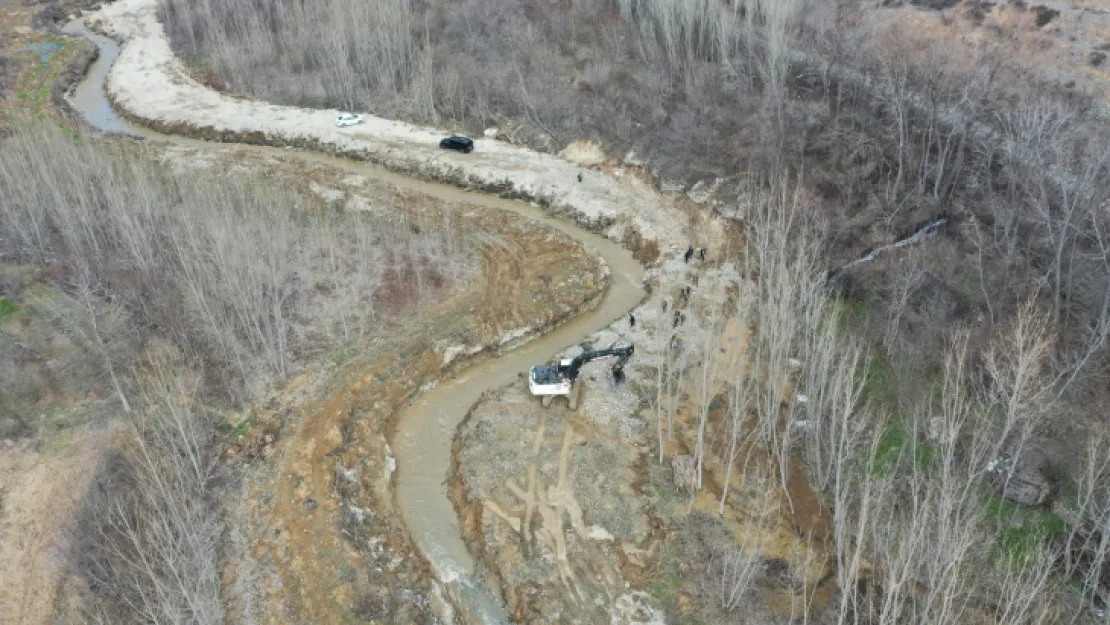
column 148, row 86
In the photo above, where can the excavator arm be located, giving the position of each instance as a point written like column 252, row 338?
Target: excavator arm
column 621, row 353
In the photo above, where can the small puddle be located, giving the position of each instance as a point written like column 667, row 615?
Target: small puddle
column 426, row 429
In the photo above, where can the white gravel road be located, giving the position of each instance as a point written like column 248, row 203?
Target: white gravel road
column 149, row 83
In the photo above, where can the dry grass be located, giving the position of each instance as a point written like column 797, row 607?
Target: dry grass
column 177, row 291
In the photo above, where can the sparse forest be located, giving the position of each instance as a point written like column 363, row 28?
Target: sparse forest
column 945, row 383
column 174, row 296
column 943, row 499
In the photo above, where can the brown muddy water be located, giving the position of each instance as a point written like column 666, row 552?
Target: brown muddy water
column 426, row 428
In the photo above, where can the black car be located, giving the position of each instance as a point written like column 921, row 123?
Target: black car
column 460, row 144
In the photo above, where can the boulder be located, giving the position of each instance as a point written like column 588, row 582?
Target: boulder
column 632, row 159
column 1028, row 483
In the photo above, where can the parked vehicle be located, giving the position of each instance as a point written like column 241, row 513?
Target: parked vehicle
column 459, row 144
column 348, row 119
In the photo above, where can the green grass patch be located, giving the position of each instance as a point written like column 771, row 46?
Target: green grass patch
column 8, row 308
column 1024, row 530
column 343, row 354
column 893, row 446
column 22, row 95
column 668, row 582
column 243, row 426
column 878, row 384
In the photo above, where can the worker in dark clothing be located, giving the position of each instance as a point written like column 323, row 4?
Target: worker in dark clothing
column 701, row 254
column 664, row 305
column 579, row 176
column 695, row 279
column 631, row 320
column 689, row 254
column 677, row 317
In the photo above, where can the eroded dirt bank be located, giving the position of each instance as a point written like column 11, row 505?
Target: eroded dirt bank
column 319, row 510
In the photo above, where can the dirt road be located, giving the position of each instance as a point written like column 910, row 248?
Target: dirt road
column 161, row 94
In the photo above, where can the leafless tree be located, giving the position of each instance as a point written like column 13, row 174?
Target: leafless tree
column 147, row 536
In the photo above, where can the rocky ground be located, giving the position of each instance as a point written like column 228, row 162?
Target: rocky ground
column 576, row 519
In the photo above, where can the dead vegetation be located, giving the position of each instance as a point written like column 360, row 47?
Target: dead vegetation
column 138, row 252
column 159, row 299
column 937, row 506
column 146, row 540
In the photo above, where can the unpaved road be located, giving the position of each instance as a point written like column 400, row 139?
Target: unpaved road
column 150, row 85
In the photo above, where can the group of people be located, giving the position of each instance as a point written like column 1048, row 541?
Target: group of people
column 679, row 316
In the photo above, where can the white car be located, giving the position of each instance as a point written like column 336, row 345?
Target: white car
column 348, row 119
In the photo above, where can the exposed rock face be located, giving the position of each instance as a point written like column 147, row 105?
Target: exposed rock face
column 1030, row 489
column 1024, row 481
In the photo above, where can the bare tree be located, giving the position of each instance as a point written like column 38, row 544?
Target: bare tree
column 147, row 536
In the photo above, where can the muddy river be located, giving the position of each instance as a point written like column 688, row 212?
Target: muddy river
column 426, row 428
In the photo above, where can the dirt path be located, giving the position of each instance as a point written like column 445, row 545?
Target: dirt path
column 149, row 86
column 38, row 491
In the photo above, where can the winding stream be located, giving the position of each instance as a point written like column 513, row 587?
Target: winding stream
column 426, row 428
